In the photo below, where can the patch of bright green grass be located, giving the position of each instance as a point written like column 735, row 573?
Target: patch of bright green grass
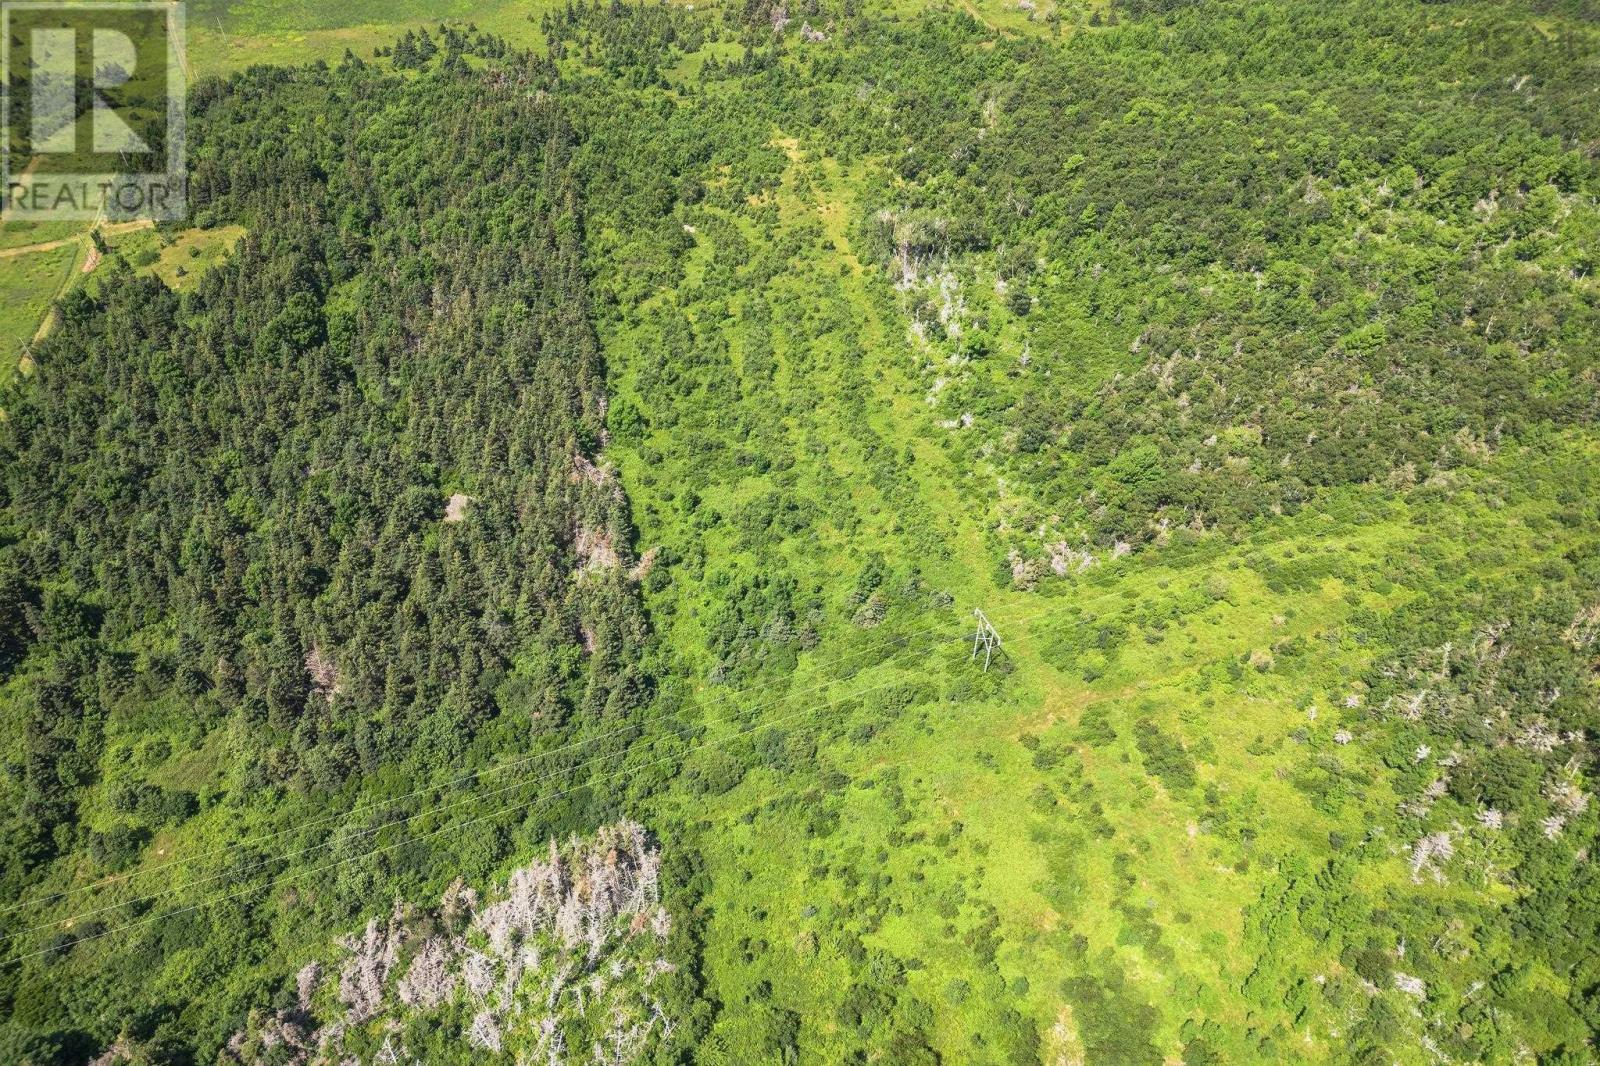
column 24, row 234
column 29, row 283
column 230, row 35
column 1075, row 836
column 178, row 259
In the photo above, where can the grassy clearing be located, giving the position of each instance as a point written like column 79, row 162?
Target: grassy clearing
column 23, row 234
column 179, row 259
column 1075, row 836
column 1015, row 18
column 28, row 285
column 226, row 36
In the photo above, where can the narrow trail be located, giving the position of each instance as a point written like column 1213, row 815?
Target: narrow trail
column 43, row 246
column 903, row 419
column 84, row 263
column 970, row 8
column 1038, row 696
column 111, row 229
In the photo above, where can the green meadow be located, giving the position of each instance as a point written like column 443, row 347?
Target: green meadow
column 1079, row 835
column 179, row 257
column 31, row 282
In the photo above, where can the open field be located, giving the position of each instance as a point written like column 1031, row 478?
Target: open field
column 178, row 258
column 29, row 283
column 1109, row 811
column 227, row 35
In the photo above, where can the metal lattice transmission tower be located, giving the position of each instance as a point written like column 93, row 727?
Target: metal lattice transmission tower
column 986, row 637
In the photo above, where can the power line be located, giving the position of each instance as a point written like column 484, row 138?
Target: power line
column 464, row 780
column 286, row 878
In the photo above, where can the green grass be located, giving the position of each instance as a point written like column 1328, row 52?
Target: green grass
column 1045, row 795
column 297, row 16
column 1050, row 18
column 227, row 35
column 179, row 259
column 29, row 283
column 23, row 234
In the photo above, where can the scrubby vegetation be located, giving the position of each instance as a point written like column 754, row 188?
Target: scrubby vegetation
column 606, row 442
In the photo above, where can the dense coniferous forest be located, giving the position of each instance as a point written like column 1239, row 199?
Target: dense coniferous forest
column 516, row 604
column 343, row 525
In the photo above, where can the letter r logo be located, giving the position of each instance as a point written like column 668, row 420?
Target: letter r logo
column 92, row 115
column 54, row 82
